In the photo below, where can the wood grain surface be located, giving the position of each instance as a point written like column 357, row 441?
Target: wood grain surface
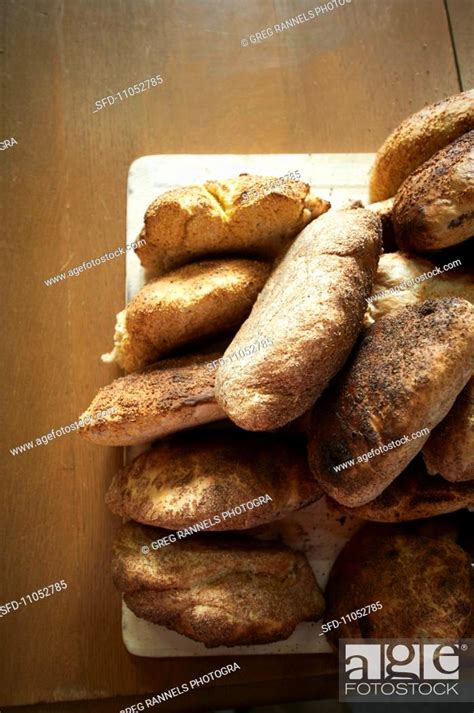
column 461, row 20
column 338, row 83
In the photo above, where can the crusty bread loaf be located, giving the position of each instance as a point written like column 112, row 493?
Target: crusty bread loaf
column 222, row 590
column 404, row 279
column 434, row 207
column 167, row 397
column 421, row 582
column 449, row 450
column 400, row 383
column 417, row 139
column 194, row 477
column 203, row 299
column 413, row 495
column 248, row 215
column 310, row 311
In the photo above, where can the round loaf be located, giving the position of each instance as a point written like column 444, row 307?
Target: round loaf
column 422, row 584
column 222, row 590
column 400, row 383
column 449, row 450
column 196, row 477
column 201, row 300
column 434, row 208
column 417, row 139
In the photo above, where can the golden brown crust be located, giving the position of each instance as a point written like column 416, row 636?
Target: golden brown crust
column 194, row 477
column 449, row 450
column 249, row 215
column 167, row 397
column 221, row 590
column 408, row 278
column 200, row 300
column 311, row 310
column 417, row 139
column 413, row 495
column 422, row 583
column 434, row 208
column 403, row 379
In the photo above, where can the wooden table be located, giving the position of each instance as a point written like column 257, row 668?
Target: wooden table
column 338, row 83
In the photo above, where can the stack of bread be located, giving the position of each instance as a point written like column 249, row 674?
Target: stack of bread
column 261, row 362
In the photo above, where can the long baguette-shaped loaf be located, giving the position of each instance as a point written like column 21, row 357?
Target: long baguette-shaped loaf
column 309, row 315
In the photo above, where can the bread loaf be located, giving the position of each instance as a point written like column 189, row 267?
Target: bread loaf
column 434, row 207
column 248, row 215
column 199, row 476
column 400, row 383
column 167, row 397
column 222, row 590
column 404, row 279
column 421, row 583
column 413, row 495
column 204, row 299
column 417, row 139
column 310, row 312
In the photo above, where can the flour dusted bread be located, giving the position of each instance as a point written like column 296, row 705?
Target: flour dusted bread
column 196, row 476
column 403, row 279
column 204, row 299
column 417, row 139
column 222, row 590
column 449, row 450
column 311, row 311
column 413, row 495
column 422, row 583
column 434, row 208
column 167, row 397
column 248, row 215
column 400, row 383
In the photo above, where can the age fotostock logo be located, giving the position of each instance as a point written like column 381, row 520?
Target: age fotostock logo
column 391, row 670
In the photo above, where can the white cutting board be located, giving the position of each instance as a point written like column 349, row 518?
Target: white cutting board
column 316, row 530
